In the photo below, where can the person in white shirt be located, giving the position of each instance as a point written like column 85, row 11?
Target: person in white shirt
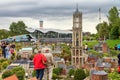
column 86, row 47
column 49, row 64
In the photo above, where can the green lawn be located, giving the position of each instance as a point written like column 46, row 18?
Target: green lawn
column 111, row 43
column 90, row 43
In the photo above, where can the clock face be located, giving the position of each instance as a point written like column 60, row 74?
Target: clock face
column 76, row 19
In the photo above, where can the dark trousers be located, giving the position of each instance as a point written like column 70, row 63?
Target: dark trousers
column 39, row 74
column 4, row 54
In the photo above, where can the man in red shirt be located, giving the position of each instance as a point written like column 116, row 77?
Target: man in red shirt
column 39, row 60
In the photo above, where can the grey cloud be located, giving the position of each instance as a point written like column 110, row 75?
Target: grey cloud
column 53, row 8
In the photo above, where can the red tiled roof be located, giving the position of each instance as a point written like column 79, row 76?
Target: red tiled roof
column 13, row 77
column 33, row 79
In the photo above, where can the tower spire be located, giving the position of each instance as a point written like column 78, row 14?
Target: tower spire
column 77, row 8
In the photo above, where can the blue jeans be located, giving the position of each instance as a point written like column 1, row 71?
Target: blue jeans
column 39, row 73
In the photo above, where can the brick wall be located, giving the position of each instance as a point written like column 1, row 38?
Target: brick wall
column 99, row 77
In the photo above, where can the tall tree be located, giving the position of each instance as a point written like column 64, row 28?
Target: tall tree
column 4, row 34
column 13, row 27
column 104, row 32
column 102, row 29
column 18, row 28
column 114, row 33
column 113, row 15
column 114, row 23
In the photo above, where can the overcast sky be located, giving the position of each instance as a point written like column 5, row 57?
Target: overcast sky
column 56, row 14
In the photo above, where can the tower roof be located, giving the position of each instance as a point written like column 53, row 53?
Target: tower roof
column 77, row 10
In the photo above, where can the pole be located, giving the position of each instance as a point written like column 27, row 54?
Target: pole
column 99, row 15
column 99, row 21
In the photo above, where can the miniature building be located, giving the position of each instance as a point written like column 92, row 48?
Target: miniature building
column 78, row 58
column 90, row 62
column 104, row 48
column 101, row 47
column 107, row 59
column 112, row 61
column 99, row 68
column 99, row 75
column 26, row 52
column 59, row 62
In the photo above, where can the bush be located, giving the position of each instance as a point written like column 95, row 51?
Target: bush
column 5, row 64
column 79, row 74
column 71, row 72
column 18, row 69
column 114, row 76
column 3, row 60
column 20, row 72
column 87, row 73
column 7, row 74
column 54, row 76
column 57, row 71
column 20, row 75
column 114, row 53
column 34, row 73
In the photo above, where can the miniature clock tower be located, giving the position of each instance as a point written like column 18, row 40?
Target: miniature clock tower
column 77, row 50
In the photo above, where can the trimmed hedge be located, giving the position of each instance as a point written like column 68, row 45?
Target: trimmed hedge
column 79, row 74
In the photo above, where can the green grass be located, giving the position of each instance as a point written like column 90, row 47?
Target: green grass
column 111, row 43
column 90, row 43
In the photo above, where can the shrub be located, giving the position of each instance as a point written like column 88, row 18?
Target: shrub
column 114, row 53
column 20, row 72
column 71, row 72
column 114, row 76
column 18, row 69
column 3, row 60
column 57, row 71
column 79, row 74
column 34, row 73
column 5, row 64
column 54, row 76
column 7, row 73
column 20, row 75
column 87, row 73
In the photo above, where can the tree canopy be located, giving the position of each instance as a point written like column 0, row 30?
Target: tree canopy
column 4, row 34
column 18, row 28
column 103, row 30
column 110, row 30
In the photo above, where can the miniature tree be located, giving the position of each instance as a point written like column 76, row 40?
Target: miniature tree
column 79, row 74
